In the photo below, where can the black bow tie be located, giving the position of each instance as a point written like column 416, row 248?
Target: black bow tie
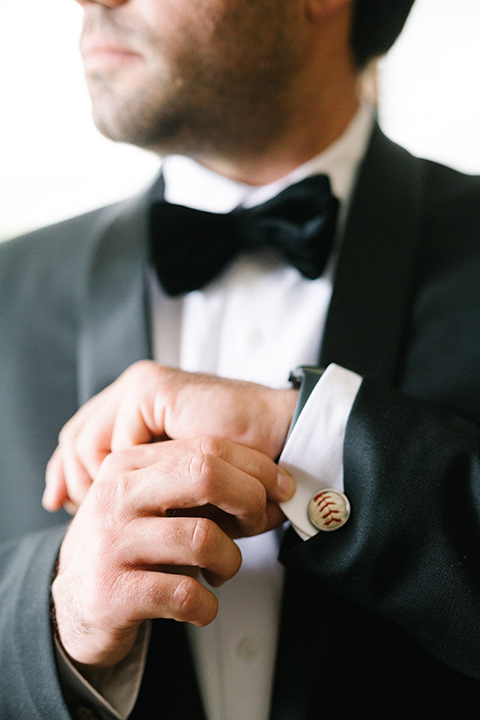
column 190, row 247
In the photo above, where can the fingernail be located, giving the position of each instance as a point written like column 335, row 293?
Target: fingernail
column 286, row 483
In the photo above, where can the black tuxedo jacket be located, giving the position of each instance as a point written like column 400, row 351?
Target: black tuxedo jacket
column 381, row 617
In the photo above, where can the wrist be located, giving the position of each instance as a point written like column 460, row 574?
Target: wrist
column 284, row 408
column 303, row 379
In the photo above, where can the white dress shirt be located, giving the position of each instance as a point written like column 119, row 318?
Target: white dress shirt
column 255, row 322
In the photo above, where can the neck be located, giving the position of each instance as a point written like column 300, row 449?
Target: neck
column 312, row 110
column 322, row 103
column 313, row 125
column 282, row 156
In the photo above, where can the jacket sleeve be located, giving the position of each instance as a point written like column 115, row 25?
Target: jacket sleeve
column 410, row 551
column 29, row 685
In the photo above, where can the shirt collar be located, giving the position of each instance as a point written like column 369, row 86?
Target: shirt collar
column 189, row 183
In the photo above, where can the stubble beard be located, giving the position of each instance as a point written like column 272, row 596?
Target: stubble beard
column 171, row 123
column 227, row 102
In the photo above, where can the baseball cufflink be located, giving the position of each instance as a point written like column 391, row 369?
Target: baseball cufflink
column 328, row 510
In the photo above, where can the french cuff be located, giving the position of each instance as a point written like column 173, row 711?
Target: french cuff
column 313, row 453
column 112, row 692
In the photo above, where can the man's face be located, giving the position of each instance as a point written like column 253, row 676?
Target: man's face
column 192, row 76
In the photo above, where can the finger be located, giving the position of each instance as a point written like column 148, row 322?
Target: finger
column 172, row 455
column 67, row 480
column 78, row 480
column 195, row 542
column 178, row 475
column 121, row 416
column 70, row 507
column 55, row 493
column 278, row 483
column 167, row 595
column 140, row 413
column 209, row 480
column 90, row 438
column 88, row 433
column 98, row 625
column 275, row 516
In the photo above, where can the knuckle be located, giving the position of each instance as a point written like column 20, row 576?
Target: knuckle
column 186, row 598
column 143, row 372
column 118, row 463
column 208, row 445
column 111, row 494
column 259, row 498
column 205, row 540
column 106, row 590
column 109, row 469
column 202, row 472
column 121, row 588
column 262, row 496
column 139, row 368
column 256, row 519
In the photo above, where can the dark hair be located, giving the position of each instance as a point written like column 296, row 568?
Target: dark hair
column 375, row 27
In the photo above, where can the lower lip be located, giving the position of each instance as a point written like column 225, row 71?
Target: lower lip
column 104, row 58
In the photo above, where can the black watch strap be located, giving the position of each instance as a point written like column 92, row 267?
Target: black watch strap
column 303, row 378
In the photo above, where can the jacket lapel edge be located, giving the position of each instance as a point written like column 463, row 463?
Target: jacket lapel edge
column 366, row 318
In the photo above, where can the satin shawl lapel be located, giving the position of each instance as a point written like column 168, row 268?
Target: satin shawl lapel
column 374, row 273
column 114, row 331
column 363, row 333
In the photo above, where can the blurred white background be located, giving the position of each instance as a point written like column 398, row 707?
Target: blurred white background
column 54, row 164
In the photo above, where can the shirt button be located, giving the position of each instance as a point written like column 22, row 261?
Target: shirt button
column 247, row 648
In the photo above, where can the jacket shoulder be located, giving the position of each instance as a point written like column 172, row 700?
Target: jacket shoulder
column 54, row 259
column 67, row 236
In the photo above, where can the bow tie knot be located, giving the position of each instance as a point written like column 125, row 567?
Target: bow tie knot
column 190, row 247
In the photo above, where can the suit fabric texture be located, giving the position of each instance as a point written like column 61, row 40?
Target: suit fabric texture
column 381, row 617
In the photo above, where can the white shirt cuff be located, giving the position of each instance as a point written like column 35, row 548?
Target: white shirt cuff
column 313, row 453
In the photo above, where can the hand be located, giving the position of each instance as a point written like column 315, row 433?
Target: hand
column 149, row 402
column 138, row 523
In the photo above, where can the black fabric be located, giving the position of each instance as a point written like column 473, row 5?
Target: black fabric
column 169, row 679
column 191, row 247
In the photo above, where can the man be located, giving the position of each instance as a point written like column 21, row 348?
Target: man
column 381, row 614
